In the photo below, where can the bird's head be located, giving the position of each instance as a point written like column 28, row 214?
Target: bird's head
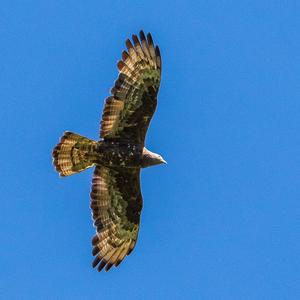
column 151, row 159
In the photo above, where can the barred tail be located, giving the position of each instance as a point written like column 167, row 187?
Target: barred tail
column 73, row 154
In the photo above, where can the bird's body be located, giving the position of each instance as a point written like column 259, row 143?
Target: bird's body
column 116, row 199
column 126, row 155
column 120, row 154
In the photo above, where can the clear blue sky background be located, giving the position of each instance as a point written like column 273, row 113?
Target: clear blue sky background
column 221, row 220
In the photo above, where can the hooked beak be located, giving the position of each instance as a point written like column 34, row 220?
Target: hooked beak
column 164, row 162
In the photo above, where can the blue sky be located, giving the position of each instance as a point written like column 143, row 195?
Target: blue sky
column 221, row 220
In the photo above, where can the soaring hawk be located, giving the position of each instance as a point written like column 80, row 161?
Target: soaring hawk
column 119, row 155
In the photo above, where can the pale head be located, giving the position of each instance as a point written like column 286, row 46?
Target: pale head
column 151, row 159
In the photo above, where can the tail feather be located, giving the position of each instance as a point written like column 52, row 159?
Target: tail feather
column 73, row 154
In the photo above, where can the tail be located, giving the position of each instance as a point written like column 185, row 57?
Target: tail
column 73, row 154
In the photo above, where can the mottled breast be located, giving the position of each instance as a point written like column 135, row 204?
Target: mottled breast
column 120, row 154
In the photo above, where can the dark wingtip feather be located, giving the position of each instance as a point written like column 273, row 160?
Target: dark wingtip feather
column 102, row 265
column 158, row 57
column 128, row 44
column 149, row 39
column 68, row 133
column 95, row 250
column 108, row 266
column 118, row 263
column 95, row 240
column 142, row 36
column 109, row 100
column 125, row 55
column 120, row 65
column 135, row 39
column 96, row 261
column 55, row 152
column 157, row 52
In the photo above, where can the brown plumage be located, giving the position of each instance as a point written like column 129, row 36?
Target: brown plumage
column 127, row 113
column 116, row 199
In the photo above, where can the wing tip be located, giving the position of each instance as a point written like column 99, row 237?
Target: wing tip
column 157, row 51
column 95, row 250
column 125, row 55
column 149, row 39
column 142, row 35
column 135, row 39
column 129, row 44
column 108, row 266
column 96, row 261
column 101, row 265
column 95, row 240
column 120, row 65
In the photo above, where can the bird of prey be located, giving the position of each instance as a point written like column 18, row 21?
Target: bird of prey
column 119, row 155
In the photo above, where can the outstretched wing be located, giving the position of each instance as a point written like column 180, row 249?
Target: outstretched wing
column 128, row 111
column 116, row 203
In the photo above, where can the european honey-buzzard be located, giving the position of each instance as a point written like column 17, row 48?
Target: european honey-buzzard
column 116, row 199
